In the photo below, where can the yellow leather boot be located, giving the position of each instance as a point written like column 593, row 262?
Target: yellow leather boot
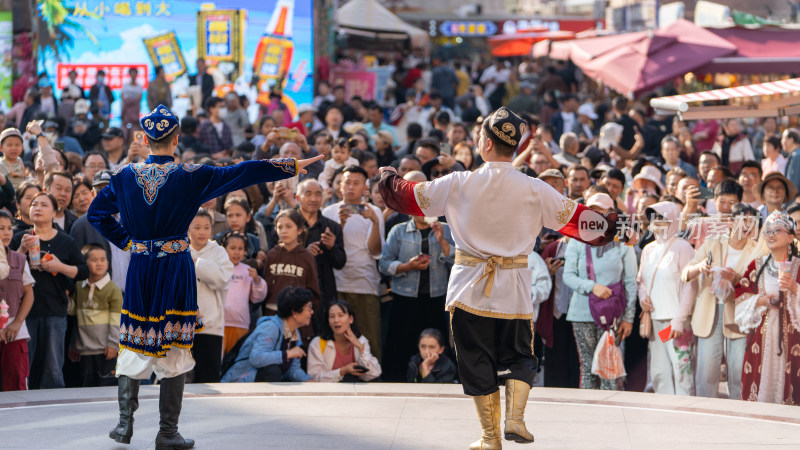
column 488, row 407
column 516, row 399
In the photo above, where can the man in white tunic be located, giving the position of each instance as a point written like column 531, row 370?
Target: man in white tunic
column 495, row 215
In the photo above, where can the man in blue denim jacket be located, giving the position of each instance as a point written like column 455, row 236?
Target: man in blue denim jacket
column 272, row 351
column 418, row 255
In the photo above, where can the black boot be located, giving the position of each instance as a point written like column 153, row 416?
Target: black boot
column 169, row 405
column 128, row 396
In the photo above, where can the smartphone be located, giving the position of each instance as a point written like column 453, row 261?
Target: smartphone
column 138, row 136
column 706, row 193
column 361, row 368
column 709, row 258
column 59, row 146
column 559, row 258
column 354, row 209
column 287, row 133
column 446, row 149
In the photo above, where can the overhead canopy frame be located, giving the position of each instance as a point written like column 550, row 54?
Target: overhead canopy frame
column 784, row 100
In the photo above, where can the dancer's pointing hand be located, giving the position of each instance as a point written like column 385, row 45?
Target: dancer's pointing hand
column 302, row 163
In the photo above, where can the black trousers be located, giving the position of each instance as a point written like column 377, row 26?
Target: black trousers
column 96, row 370
column 408, row 316
column 490, row 350
column 207, row 354
column 562, row 368
column 270, row 374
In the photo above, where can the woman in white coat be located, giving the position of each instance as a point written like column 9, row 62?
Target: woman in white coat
column 340, row 352
column 214, row 270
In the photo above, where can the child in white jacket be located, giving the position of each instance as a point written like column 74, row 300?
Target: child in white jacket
column 341, row 352
column 214, row 270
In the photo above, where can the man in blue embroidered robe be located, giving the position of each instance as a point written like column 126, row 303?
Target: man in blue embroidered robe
column 156, row 200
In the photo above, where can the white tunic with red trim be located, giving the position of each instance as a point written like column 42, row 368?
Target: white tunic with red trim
column 494, row 211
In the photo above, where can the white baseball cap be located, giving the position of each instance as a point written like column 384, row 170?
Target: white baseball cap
column 587, row 109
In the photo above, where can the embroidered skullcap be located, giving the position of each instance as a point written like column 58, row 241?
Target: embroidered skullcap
column 159, row 123
column 506, row 126
column 779, row 219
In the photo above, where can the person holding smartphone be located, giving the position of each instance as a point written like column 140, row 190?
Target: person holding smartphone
column 341, row 352
column 358, row 281
column 418, row 255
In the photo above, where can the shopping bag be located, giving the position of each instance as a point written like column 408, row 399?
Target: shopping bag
column 607, row 362
column 645, row 325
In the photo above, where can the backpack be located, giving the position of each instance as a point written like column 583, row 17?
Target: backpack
column 231, row 358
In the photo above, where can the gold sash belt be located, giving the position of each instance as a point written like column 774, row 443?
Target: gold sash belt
column 492, row 263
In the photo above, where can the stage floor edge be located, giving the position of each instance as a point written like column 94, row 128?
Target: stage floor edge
column 392, row 416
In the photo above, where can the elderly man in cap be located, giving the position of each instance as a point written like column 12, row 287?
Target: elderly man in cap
column 156, row 200
column 489, row 293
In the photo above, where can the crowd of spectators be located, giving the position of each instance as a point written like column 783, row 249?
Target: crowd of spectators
column 314, row 278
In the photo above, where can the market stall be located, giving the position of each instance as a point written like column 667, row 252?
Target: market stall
column 759, row 51
column 772, row 99
column 662, row 55
column 369, row 25
column 521, row 44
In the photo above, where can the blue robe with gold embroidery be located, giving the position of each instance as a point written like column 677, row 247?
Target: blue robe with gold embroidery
column 157, row 200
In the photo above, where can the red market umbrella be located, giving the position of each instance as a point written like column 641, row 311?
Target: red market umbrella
column 759, row 50
column 584, row 50
column 662, row 55
column 521, row 44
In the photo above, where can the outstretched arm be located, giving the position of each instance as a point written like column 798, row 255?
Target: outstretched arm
column 221, row 180
column 573, row 219
column 398, row 194
column 415, row 199
column 101, row 216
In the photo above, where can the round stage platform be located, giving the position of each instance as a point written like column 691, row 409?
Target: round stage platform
column 392, row 416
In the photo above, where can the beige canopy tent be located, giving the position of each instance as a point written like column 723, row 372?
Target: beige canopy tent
column 782, row 99
column 371, row 20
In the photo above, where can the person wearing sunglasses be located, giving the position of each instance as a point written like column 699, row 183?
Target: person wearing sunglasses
column 434, row 169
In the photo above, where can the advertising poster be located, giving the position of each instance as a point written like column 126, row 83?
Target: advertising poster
column 165, row 51
column 356, row 83
column 113, row 32
column 219, row 40
column 116, row 75
column 6, row 65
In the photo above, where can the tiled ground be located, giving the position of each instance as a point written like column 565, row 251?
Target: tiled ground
column 393, row 416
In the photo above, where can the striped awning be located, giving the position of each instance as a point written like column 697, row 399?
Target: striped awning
column 786, row 101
